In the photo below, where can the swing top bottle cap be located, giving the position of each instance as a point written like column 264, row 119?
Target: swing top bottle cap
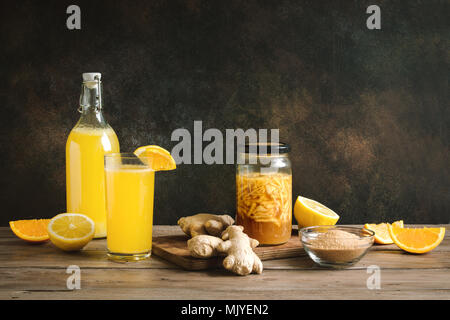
column 90, row 76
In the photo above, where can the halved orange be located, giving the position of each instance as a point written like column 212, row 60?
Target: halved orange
column 33, row 230
column 382, row 232
column 156, row 157
column 416, row 240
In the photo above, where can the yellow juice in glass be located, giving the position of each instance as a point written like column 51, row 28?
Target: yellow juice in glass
column 129, row 206
column 85, row 175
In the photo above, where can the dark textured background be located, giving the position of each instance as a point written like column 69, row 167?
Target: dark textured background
column 366, row 112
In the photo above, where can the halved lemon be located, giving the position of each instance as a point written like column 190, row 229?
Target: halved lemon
column 382, row 232
column 416, row 240
column 312, row 213
column 33, row 230
column 156, row 157
column 71, row 231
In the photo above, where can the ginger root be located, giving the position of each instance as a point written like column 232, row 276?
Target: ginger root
column 241, row 259
column 205, row 223
column 204, row 246
column 238, row 246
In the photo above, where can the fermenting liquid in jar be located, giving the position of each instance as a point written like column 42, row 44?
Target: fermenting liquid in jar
column 264, row 204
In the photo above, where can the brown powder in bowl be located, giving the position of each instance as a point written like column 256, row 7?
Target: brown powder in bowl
column 337, row 246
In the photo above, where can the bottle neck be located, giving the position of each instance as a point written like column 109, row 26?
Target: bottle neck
column 91, row 104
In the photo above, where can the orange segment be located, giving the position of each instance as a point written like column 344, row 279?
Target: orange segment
column 382, row 232
column 416, row 240
column 34, row 230
column 156, row 157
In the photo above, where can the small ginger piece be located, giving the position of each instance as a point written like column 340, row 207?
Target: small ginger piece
column 241, row 259
column 205, row 223
column 204, row 246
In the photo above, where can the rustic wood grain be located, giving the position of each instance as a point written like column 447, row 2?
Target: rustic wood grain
column 39, row 272
column 37, row 283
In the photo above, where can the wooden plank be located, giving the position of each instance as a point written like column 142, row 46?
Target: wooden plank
column 198, row 294
column 41, row 283
column 386, row 260
column 39, row 272
column 174, row 249
column 17, row 253
column 55, row 258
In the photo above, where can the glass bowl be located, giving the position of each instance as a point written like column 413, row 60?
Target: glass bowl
column 336, row 246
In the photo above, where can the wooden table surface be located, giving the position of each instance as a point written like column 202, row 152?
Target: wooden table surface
column 39, row 272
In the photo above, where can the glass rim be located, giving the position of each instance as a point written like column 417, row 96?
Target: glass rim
column 120, row 159
column 361, row 231
column 126, row 155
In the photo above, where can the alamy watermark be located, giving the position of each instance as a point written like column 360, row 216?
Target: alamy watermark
column 73, row 21
column 374, row 281
column 373, row 22
column 190, row 150
column 73, row 282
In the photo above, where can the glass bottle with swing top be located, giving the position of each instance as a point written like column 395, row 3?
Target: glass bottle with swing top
column 88, row 142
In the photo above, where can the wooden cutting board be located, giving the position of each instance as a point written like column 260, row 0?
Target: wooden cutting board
column 174, row 249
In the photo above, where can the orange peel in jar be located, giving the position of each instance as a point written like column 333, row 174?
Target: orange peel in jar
column 264, row 197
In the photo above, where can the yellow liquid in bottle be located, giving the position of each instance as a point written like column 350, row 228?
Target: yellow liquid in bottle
column 85, row 174
column 129, row 203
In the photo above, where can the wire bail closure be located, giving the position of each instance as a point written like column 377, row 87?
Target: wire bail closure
column 98, row 98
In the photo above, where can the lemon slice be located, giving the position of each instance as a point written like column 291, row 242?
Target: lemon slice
column 71, row 231
column 312, row 213
column 156, row 157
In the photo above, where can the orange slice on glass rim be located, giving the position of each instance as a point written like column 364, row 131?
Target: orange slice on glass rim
column 382, row 232
column 33, row 230
column 156, row 157
column 416, row 240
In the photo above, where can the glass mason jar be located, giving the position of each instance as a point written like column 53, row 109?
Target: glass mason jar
column 264, row 192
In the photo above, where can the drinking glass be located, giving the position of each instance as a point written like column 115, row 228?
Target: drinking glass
column 129, row 206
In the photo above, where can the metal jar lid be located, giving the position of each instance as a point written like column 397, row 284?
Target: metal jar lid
column 267, row 148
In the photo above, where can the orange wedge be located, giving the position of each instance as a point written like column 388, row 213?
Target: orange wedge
column 34, row 230
column 156, row 157
column 382, row 232
column 416, row 240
